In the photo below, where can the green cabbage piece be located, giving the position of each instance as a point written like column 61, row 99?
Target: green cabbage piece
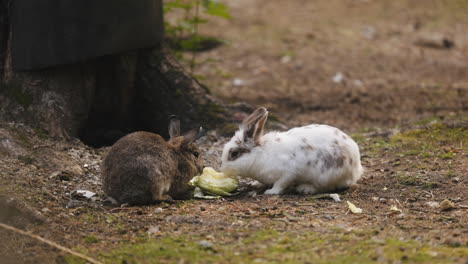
column 215, row 183
column 198, row 193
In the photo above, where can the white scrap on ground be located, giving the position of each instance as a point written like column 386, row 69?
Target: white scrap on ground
column 353, row 208
column 335, row 197
column 84, row 193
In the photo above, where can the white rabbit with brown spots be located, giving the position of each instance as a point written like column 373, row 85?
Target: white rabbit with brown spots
column 312, row 159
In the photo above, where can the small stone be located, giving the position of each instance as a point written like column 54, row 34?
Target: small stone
column 54, row 174
column 433, row 204
column 45, row 210
column 328, row 217
column 446, row 205
column 338, row 77
column 73, row 203
column 75, row 169
column 252, row 193
column 286, row 59
column 205, row 244
column 375, row 199
column 456, row 180
column 238, row 82
column 110, row 201
column 369, row 32
column 382, row 200
column 452, row 243
column 158, row 210
column 153, row 230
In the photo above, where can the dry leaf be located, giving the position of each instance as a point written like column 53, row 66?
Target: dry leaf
column 393, row 208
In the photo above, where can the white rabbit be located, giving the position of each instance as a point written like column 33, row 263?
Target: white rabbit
column 313, row 158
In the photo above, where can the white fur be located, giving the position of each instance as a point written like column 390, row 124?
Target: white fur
column 284, row 159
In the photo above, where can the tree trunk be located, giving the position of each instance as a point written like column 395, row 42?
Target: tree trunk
column 102, row 98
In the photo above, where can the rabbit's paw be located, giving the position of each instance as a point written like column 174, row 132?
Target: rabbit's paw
column 256, row 185
column 306, row 189
column 272, row 191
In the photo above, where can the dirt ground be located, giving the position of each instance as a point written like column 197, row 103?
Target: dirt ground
column 379, row 70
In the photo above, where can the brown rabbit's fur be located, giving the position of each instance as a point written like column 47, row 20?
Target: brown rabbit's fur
column 141, row 168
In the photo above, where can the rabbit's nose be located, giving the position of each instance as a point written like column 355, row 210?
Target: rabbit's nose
column 200, row 168
column 227, row 171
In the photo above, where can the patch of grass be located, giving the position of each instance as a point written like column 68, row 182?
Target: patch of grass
column 28, row 160
column 90, row 239
column 435, row 136
column 359, row 138
column 408, row 179
column 430, row 185
column 270, row 246
column 436, row 140
column 428, row 120
column 446, row 156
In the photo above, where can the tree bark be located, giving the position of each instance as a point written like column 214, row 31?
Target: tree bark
column 102, row 99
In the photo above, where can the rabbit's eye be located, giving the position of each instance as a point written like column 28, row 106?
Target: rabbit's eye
column 235, row 154
column 196, row 154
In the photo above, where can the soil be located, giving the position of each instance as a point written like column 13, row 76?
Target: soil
column 379, row 70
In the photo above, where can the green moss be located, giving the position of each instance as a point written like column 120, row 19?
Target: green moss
column 408, row 179
column 436, row 140
column 23, row 98
column 428, row 120
column 446, row 156
column 15, row 91
column 21, row 136
column 271, row 246
column 359, row 138
column 195, row 43
column 435, row 135
column 273, row 118
column 228, row 130
column 41, row 133
column 210, row 114
column 430, row 185
column 90, row 239
column 26, row 159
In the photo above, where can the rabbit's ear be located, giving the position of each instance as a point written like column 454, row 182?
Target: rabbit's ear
column 192, row 135
column 253, row 125
column 174, row 127
column 258, row 133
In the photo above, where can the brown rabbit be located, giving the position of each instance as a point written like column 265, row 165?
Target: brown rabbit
column 141, row 167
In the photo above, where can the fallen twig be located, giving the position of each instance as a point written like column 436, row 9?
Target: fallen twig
column 50, row 243
column 43, row 146
column 121, row 209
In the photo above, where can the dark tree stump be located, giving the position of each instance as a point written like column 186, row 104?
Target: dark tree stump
column 102, row 98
